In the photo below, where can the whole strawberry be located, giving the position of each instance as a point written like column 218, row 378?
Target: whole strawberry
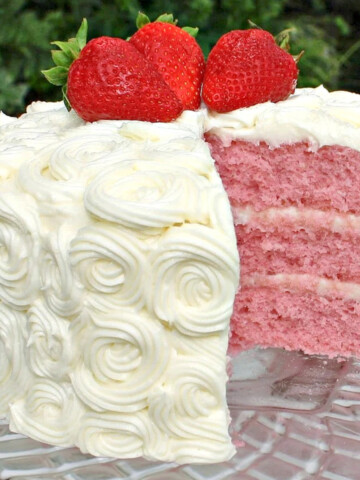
column 175, row 54
column 108, row 78
column 247, row 67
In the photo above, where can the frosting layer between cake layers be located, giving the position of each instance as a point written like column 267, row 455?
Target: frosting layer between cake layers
column 116, row 289
column 292, row 173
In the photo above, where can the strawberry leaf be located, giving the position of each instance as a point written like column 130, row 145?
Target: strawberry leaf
column 64, row 57
column 56, row 75
column 142, row 20
column 253, row 25
column 298, row 56
column 70, row 48
column 60, row 58
column 193, row 31
column 81, row 36
column 283, row 39
column 166, row 18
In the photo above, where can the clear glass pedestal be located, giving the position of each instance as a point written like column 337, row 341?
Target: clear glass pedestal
column 295, row 417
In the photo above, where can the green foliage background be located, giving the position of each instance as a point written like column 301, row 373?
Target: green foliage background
column 328, row 31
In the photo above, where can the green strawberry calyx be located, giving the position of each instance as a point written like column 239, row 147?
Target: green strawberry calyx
column 143, row 19
column 64, row 57
column 282, row 40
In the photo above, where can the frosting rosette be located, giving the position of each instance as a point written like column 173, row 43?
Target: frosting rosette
column 19, row 250
column 15, row 377
column 187, row 408
column 122, row 435
column 124, row 356
column 72, row 159
column 147, row 195
column 50, row 412
column 49, row 348
column 55, row 197
column 60, row 287
column 11, row 157
column 194, row 279
column 112, row 266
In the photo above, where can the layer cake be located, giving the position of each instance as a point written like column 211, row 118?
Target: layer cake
column 119, row 266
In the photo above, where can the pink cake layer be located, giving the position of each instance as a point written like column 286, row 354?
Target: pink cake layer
column 316, row 325
column 295, row 320
column 289, row 175
column 308, row 244
column 317, row 242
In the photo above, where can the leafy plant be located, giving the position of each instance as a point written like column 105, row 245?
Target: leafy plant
column 325, row 29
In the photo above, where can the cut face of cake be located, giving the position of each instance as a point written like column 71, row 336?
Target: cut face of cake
column 118, row 271
column 292, row 174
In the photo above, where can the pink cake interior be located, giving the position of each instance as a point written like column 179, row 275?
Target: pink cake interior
column 289, row 175
column 293, row 320
column 284, row 248
column 317, row 239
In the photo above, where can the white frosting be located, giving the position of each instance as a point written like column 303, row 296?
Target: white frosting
column 305, row 283
column 124, row 435
column 15, row 377
column 124, row 356
column 49, row 412
column 115, row 287
column 313, row 115
column 331, row 219
column 49, row 345
column 194, row 280
column 19, row 249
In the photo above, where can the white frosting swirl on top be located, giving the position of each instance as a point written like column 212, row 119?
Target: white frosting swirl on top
column 148, row 194
column 313, row 115
column 11, row 157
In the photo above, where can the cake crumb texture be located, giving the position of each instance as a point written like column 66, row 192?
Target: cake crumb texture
column 296, row 207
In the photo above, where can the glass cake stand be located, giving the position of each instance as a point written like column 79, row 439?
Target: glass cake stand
column 295, row 417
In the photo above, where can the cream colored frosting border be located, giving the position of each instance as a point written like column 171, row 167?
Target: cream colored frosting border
column 314, row 115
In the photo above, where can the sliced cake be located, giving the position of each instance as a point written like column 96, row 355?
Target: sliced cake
column 291, row 171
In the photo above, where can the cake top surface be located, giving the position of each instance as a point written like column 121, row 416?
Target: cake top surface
column 314, row 115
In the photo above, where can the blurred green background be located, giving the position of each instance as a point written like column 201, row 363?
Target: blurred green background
column 328, row 31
